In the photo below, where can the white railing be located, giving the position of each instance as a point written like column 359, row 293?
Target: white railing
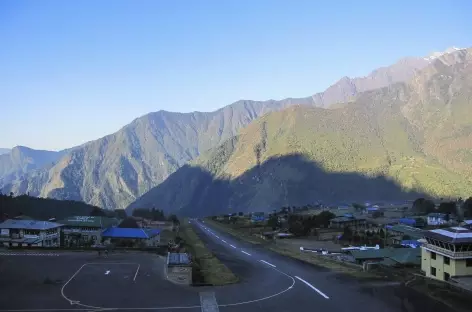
column 447, row 252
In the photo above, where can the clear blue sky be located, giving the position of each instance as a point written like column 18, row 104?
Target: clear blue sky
column 74, row 71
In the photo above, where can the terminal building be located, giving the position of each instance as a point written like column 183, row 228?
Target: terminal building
column 447, row 254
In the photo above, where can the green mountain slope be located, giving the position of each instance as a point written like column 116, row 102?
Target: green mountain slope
column 377, row 147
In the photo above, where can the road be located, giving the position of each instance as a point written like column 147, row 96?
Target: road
column 285, row 284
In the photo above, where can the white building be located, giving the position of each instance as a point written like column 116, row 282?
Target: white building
column 28, row 233
column 436, row 218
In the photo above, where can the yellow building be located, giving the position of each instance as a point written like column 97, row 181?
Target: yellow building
column 447, row 253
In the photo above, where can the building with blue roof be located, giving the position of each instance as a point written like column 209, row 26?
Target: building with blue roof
column 133, row 236
column 29, row 233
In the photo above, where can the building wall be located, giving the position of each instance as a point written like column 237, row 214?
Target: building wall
column 49, row 238
column 456, row 267
column 68, row 235
column 461, row 269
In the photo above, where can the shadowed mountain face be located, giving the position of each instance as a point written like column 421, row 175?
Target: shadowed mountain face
column 278, row 181
column 410, row 136
column 21, row 160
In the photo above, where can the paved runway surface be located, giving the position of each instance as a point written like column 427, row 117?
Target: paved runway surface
column 83, row 281
column 265, row 272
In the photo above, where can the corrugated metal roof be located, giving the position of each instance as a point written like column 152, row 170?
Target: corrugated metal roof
column 400, row 255
column 129, row 233
column 28, row 224
column 178, row 258
column 89, row 221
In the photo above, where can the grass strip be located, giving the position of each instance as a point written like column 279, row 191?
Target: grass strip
column 207, row 268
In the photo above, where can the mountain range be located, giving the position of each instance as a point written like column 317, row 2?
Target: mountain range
column 412, row 119
column 4, row 151
column 21, row 160
column 398, row 142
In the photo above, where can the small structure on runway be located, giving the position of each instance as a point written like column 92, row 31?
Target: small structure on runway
column 179, row 268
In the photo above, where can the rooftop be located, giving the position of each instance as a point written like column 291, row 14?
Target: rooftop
column 28, row 224
column 89, row 221
column 129, row 233
column 398, row 255
column 407, row 230
column 346, row 219
column 454, row 234
column 437, row 215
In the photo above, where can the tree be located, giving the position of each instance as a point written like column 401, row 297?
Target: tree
column 174, row 219
column 347, row 234
column 423, row 206
column 273, row 221
column 120, row 213
column 377, row 214
column 322, row 220
column 240, row 213
column 467, row 207
column 129, row 222
column 449, row 208
column 358, row 206
column 97, row 212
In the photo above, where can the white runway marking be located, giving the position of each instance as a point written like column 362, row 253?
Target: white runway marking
column 137, row 270
column 208, row 302
column 233, row 246
column 223, row 241
column 245, row 252
column 28, row 254
column 76, row 302
column 312, row 287
column 268, row 263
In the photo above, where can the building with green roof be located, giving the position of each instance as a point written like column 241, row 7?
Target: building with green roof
column 389, row 256
column 85, row 230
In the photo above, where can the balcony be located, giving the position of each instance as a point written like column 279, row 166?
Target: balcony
column 448, row 253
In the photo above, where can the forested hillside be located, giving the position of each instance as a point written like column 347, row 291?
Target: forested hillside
column 398, row 142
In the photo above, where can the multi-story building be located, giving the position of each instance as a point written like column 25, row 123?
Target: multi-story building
column 85, row 230
column 348, row 220
column 447, row 253
column 28, row 233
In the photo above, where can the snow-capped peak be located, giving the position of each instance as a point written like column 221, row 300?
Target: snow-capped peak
column 435, row 55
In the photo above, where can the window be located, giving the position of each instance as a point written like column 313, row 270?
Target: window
column 468, row 262
column 433, row 271
column 447, row 260
column 446, row 276
column 433, row 255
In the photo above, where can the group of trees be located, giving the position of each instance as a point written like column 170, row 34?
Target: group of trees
column 41, row 208
column 154, row 215
column 304, row 225
column 367, row 237
column 460, row 207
